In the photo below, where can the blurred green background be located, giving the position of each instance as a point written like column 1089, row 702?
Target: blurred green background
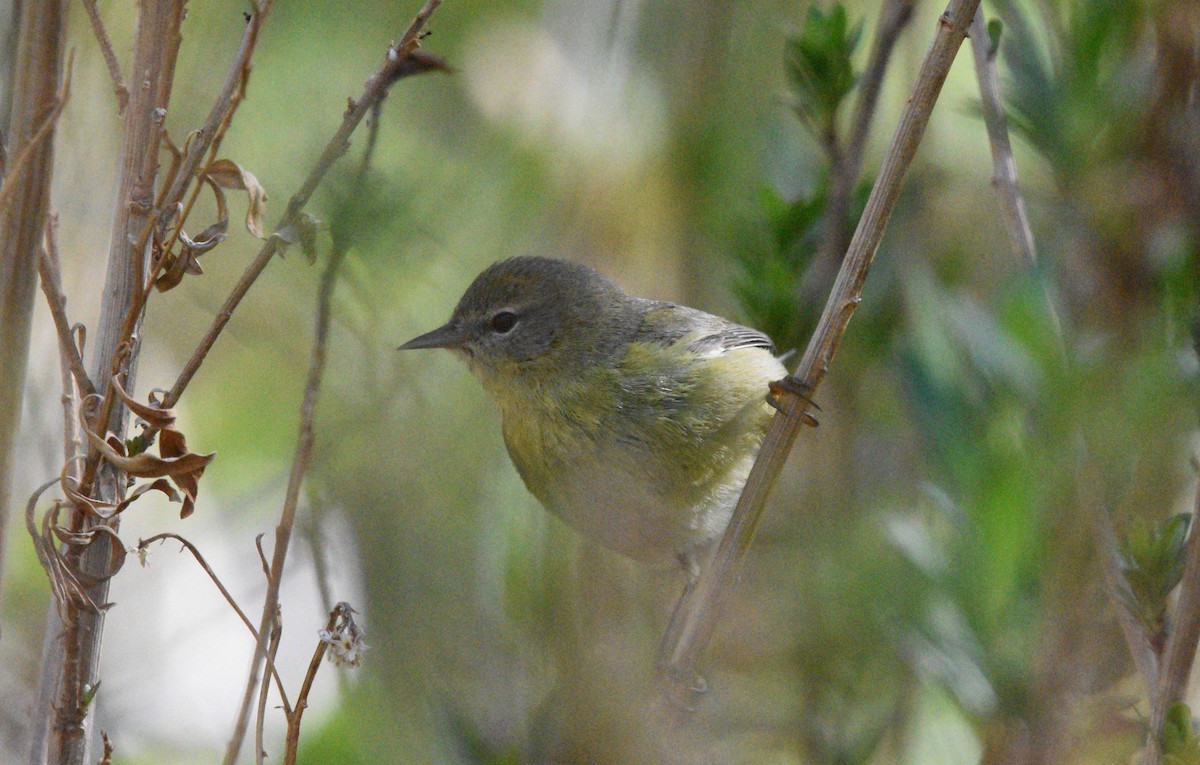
column 926, row 587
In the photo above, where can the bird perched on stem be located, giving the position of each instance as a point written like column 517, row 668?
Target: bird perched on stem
column 635, row 421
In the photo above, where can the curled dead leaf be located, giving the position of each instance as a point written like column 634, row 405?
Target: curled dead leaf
column 230, row 175
column 174, row 461
column 149, row 466
column 155, row 416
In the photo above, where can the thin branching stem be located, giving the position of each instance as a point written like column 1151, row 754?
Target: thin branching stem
column 260, row 752
column 396, row 65
column 695, row 620
column 1004, row 164
column 292, row 745
column 48, row 269
column 402, row 61
column 143, row 544
column 110, row 57
column 846, row 163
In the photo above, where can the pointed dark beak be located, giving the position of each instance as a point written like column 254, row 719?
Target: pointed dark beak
column 445, row 336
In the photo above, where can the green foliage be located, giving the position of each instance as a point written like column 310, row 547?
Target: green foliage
column 1153, row 560
column 769, row 285
column 820, row 74
column 819, row 67
column 1077, row 103
column 1180, row 742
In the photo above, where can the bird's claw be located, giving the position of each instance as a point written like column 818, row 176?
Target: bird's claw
column 801, row 390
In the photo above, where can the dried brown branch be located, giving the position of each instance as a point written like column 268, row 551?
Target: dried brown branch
column 143, row 544
column 695, row 619
column 110, row 58
column 207, row 139
column 1004, row 173
column 48, row 269
column 260, row 752
column 292, row 746
column 89, row 552
column 1180, row 651
column 36, row 101
column 109, row 750
column 403, row 60
column 182, row 173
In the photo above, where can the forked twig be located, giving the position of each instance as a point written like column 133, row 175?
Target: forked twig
column 110, row 58
column 145, row 543
column 695, row 619
column 260, row 752
column 14, row 168
column 403, row 60
column 48, row 269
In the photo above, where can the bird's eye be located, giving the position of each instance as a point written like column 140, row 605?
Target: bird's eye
column 503, row 322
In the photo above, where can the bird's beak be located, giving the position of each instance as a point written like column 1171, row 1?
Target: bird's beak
column 445, row 336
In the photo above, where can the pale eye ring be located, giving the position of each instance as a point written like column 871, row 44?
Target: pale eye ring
column 503, row 322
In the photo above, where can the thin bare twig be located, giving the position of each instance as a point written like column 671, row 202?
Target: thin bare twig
column 260, row 752
column 110, row 58
column 403, row 60
column 696, row 618
column 292, row 745
column 14, row 173
column 145, row 543
column 48, row 269
column 1004, row 172
column 393, row 69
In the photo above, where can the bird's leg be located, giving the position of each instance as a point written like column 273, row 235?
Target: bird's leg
column 797, row 388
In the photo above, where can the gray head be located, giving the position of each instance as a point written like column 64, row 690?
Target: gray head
column 533, row 316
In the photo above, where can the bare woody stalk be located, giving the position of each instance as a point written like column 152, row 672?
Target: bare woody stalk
column 692, row 626
column 155, row 50
column 37, row 77
column 1004, row 164
column 403, row 60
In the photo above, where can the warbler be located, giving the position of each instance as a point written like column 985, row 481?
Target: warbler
column 636, row 421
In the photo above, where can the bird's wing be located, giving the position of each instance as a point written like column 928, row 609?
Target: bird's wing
column 706, row 335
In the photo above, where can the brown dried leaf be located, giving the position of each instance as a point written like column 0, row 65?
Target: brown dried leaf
column 96, row 507
column 103, row 534
column 185, row 261
column 230, row 175
column 171, row 443
column 159, row 484
column 155, row 416
column 146, row 465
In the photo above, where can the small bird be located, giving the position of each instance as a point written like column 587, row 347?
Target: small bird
column 636, row 421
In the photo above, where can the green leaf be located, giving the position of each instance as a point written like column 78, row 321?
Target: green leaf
column 819, row 67
column 1152, row 554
